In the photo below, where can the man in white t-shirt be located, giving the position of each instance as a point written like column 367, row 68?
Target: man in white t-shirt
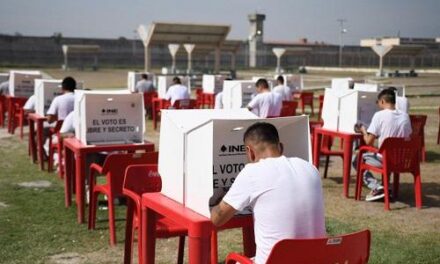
column 144, row 85
column 177, row 91
column 62, row 105
column 285, row 194
column 29, row 106
column 218, row 101
column 265, row 103
column 282, row 89
column 388, row 122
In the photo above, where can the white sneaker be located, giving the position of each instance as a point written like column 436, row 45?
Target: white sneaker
column 375, row 195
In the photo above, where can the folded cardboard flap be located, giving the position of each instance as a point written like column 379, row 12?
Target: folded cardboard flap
column 341, row 83
column 238, row 94
column 212, row 84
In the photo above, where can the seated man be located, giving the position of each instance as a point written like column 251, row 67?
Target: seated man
column 29, row 106
column 285, row 194
column 265, row 104
column 388, row 122
column 177, row 91
column 144, row 85
column 282, row 89
column 62, row 105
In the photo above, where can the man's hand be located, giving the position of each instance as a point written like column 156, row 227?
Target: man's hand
column 221, row 213
column 51, row 118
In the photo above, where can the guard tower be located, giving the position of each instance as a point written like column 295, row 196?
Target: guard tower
column 255, row 37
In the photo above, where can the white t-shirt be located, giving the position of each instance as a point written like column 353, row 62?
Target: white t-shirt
column 402, row 104
column 390, row 123
column 219, row 101
column 284, row 91
column 177, row 92
column 68, row 126
column 144, row 86
column 285, row 195
column 30, row 103
column 266, row 104
column 62, row 105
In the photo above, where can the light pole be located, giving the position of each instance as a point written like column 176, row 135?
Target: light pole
column 342, row 31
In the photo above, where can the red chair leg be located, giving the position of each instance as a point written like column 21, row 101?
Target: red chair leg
column 111, row 220
column 214, row 253
column 386, row 190
column 418, row 189
column 181, row 249
column 92, row 208
column 129, row 233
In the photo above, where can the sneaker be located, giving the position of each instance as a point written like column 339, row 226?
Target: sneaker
column 375, row 194
column 370, row 181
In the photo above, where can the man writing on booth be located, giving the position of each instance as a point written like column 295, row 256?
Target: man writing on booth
column 285, row 194
column 62, row 105
column 388, row 122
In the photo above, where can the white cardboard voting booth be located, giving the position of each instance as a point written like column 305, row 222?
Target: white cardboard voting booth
column 341, row 83
column 134, row 77
column 109, row 117
column 212, row 84
column 294, row 81
column 238, row 94
column 343, row 109
column 201, row 152
column 45, row 91
column 164, row 82
column 4, row 77
column 369, row 87
column 21, row 83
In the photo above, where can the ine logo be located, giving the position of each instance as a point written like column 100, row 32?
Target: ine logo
column 232, row 149
column 109, row 111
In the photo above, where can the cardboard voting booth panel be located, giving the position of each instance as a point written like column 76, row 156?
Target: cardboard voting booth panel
column 366, row 87
column 199, row 160
column 80, row 115
column 45, row 91
column 400, row 88
column 343, row 109
column 21, row 83
column 134, row 77
column 294, row 81
column 238, row 94
column 164, row 82
column 212, row 84
column 341, row 83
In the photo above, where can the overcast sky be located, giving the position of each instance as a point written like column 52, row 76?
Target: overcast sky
column 286, row 20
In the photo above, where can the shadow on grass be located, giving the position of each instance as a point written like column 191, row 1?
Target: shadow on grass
column 430, row 194
column 432, row 156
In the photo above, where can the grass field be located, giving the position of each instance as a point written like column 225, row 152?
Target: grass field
column 35, row 227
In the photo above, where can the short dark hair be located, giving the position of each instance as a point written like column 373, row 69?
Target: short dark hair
column 280, row 79
column 262, row 82
column 68, row 84
column 262, row 132
column 177, row 80
column 144, row 76
column 388, row 95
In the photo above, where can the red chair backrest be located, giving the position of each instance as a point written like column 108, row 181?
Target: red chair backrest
column 418, row 123
column 185, row 104
column 148, row 99
column 401, row 155
column 306, row 97
column 141, row 179
column 289, row 108
column 351, row 248
column 115, row 165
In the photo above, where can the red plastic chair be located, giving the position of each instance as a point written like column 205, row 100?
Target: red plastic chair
column 3, row 109
column 159, row 104
column 398, row 156
column 199, row 97
column 208, row 100
column 114, row 169
column 16, row 114
column 306, row 98
column 148, row 102
column 350, row 248
column 289, row 108
column 58, row 147
column 438, row 134
column 321, row 104
column 141, row 179
column 312, row 126
column 185, row 104
column 418, row 123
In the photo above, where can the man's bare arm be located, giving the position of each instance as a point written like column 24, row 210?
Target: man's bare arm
column 221, row 213
column 51, row 118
